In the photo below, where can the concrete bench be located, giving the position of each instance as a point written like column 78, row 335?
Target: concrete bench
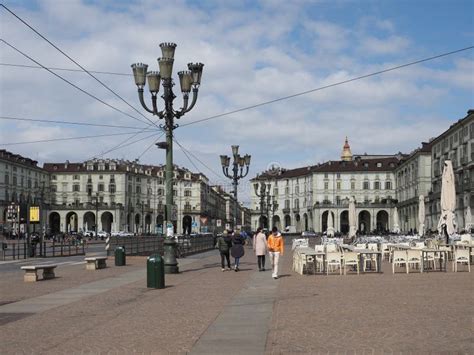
column 96, row 262
column 31, row 272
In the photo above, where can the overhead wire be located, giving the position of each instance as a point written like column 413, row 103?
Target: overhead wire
column 64, row 69
column 76, row 63
column 151, row 145
column 67, row 138
column 122, row 145
column 329, row 86
column 70, row 83
column 66, row 122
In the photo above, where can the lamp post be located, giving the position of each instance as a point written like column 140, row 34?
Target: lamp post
column 237, row 172
column 264, row 194
column 273, row 206
column 188, row 79
column 96, row 213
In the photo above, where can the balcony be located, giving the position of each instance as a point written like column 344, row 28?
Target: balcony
column 286, row 210
column 464, row 160
column 296, row 209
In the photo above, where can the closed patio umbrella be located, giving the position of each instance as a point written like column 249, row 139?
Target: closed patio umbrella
column 330, row 230
column 447, row 221
column 396, row 227
column 352, row 218
column 421, row 216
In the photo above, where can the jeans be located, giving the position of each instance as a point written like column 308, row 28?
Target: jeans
column 236, row 262
column 275, row 258
column 261, row 261
column 225, row 256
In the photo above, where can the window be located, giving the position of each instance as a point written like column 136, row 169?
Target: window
column 287, row 190
column 275, row 191
column 138, row 189
column 75, row 177
column 160, row 192
column 14, row 180
column 287, row 204
column 388, row 185
column 377, row 199
column 325, row 175
column 297, row 189
column 377, row 185
column 297, row 203
column 54, row 188
column 101, row 177
column 326, row 185
column 353, row 185
column 100, row 187
column 112, row 188
column 7, row 179
column 175, row 192
column 76, row 188
column 187, row 193
column 366, row 185
column 338, row 185
column 338, row 175
column 53, row 177
column 338, row 200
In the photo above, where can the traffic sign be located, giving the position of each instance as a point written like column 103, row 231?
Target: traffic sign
column 218, row 223
column 34, row 214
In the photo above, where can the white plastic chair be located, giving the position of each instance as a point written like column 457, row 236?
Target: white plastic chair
column 385, row 250
column 333, row 260
column 399, row 257
column 414, row 258
column 461, row 256
column 361, row 246
column 351, row 259
column 331, row 248
column 419, row 245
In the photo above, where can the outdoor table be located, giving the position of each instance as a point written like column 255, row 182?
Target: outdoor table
column 444, row 258
column 364, row 253
column 307, row 252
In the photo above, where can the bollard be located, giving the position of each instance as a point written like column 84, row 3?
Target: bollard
column 120, row 256
column 155, row 272
column 107, row 244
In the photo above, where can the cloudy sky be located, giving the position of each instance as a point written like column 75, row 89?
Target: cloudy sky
column 254, row 52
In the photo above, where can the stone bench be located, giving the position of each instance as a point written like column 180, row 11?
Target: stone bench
column 31, row 272
column 96, row 262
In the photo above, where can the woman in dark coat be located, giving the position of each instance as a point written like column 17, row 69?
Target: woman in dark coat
column 237, row 251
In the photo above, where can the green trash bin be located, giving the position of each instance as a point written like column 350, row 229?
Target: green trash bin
column 155, row 272
column 120, row 256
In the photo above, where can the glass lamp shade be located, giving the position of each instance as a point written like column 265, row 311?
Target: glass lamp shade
column 247, row 159
column 167, row 49
column 185, row 80
column 235, row 150
column 139, row 73
column 166, row 67
column 224, row 161
column 196, row 69
column 227, row 162
column 241, row 161
column 153, row 81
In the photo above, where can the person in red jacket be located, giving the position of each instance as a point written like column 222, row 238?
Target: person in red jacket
column 275, row 247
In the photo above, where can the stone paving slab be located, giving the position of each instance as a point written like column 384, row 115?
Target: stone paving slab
column 242, row 326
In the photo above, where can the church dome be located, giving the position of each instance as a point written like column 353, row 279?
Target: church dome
column 346, row 152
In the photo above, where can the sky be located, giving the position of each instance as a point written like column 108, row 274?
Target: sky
column 253, row 52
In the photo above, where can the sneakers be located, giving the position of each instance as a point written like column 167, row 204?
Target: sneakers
column 275, row 277
column 228, row 269
column 223, row 269
column 263, row 269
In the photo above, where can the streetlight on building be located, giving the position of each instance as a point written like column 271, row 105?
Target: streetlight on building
column 264, row 195
column 237, row 172
column 188, row 79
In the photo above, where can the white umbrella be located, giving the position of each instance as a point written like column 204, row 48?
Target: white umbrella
column 396, row 227
column 421, row 216
column 330, row 230
column 352, row 218
column 468, row 219
column 448, row 200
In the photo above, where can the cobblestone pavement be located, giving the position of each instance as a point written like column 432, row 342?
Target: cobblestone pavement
column 373, row 313
column 132, row 318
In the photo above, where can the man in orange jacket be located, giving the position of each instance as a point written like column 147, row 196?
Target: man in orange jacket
column 275, row 247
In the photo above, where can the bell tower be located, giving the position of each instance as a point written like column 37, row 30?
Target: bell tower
column 346, row 152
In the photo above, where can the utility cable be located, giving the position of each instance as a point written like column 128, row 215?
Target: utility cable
column 67, row 139
column 66, row 122
column 151, row 145
column 80, row 66
column 122, row 144
column 195, row 157
column 329, row 86
column 63, row 69
column 70, row 83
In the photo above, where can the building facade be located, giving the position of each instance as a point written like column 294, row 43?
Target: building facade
column 23, row 183
column 455, row 144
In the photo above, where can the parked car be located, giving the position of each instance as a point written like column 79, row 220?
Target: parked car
column 308, row 234
column 123, row 234
column 89, row 233
column 102, row 234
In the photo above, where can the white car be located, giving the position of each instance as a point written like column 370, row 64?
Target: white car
column 102, row 234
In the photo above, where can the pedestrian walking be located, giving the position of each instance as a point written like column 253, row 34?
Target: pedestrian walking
column 260, row 248
column 237, row 251
column 275, row 248
column 224, row 243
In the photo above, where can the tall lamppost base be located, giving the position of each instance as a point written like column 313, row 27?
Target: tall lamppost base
column 171, row 264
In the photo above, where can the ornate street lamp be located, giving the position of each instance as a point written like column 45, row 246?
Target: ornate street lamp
column 237, row 172
column 189, row 80
column 264, row 195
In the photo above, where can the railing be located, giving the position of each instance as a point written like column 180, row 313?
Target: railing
column 147, row 245
column 14, row 250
